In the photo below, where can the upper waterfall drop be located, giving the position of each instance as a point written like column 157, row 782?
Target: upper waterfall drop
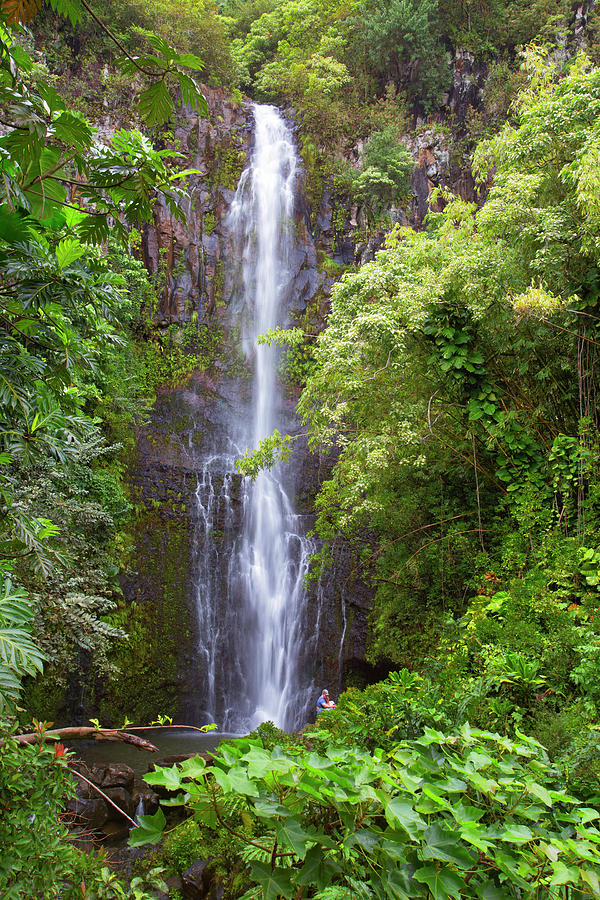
column 251, row 617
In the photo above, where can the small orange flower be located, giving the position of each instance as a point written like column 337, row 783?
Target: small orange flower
column 59, row 750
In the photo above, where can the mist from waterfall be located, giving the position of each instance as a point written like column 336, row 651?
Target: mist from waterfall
column 251, row 605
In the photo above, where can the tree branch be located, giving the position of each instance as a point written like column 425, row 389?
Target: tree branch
column 102, row 794
column 89, row 732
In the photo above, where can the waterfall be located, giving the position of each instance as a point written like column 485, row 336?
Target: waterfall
column 252, row 552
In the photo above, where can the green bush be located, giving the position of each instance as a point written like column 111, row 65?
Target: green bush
column 465, row 814
column 36, row 857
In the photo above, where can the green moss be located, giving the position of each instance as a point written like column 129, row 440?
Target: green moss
column 218, row 283
column 231, row 166
column 43, row 697
column 315, row 179
column 159, row 626
column 209, row 222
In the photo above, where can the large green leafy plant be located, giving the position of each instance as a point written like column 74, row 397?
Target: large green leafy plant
column 469, row 814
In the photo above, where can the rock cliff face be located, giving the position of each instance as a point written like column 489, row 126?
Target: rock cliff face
column 173, row 476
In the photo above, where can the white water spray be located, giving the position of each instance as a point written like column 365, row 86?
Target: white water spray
column 250, row 614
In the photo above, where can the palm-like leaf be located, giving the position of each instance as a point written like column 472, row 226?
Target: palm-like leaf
column 19, row 655
column 20, row 10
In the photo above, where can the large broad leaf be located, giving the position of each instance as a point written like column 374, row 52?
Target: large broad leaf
column 439, row 843
column 241, row 783
column 259, row 762
column 169, row 778
column 317, row 871
column 68, row 251
column 443, row 883
column 292, row 836
column 492, row 891
column 516, row 834
column 400, row 812
column 193, row 768
column 539, row 791
column 590, row 877
column 274, row 882
column 149, row 830
column 397, row 883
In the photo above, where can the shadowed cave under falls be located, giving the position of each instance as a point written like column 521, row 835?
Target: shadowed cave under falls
column 251, row 552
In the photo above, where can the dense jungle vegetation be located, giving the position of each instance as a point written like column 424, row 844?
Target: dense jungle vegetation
column 455, row 384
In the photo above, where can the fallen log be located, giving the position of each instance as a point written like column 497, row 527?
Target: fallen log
column 87, row 732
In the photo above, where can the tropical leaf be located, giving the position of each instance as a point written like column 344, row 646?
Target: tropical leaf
column 19, row 653
column 68, row 251
column 20, row 10
column 15, row 606
column 155, row 104
column 191, row 93
column 149, row 831
column 70, row 9
column 274, row 882
column 191, row 61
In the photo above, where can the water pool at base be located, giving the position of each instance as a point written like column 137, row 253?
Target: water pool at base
column 174, row 742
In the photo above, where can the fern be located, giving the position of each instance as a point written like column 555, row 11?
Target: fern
column 19, row 655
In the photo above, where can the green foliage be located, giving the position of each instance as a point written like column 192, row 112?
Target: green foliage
column 404, row 39
column 384, row 177
column 36, row 857
column 467, row 435
column 461, row 815
column 19, row 656
column 273, row 448
column 396, row 709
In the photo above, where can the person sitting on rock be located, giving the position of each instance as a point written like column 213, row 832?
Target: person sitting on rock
column 325, row 701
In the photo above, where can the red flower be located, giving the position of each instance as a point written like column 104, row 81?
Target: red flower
column 59, row 750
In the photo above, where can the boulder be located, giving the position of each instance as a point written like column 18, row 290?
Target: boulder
column 93, row 813
column 114, row 832
column 174, row 884
column 123, row 800
column 114, row 775
column 177, row 759
column 196, row 881
column 149, row 799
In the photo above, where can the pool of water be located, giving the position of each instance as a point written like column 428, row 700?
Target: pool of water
column 170, row 742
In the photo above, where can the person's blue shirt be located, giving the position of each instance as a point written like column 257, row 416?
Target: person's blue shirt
column 322, row 702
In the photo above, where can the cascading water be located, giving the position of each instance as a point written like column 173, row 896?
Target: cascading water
column 250, row 586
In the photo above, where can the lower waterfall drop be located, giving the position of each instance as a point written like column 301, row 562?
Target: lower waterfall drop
column 251, row 612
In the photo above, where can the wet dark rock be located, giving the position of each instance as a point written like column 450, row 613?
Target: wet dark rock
column 91, row 813
column 149, row 799
column 196, row 881
column 113, row 775
column 177, row 759
column 114, row 832
column 467, row 84
column 123, row 799
column 174, row 883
